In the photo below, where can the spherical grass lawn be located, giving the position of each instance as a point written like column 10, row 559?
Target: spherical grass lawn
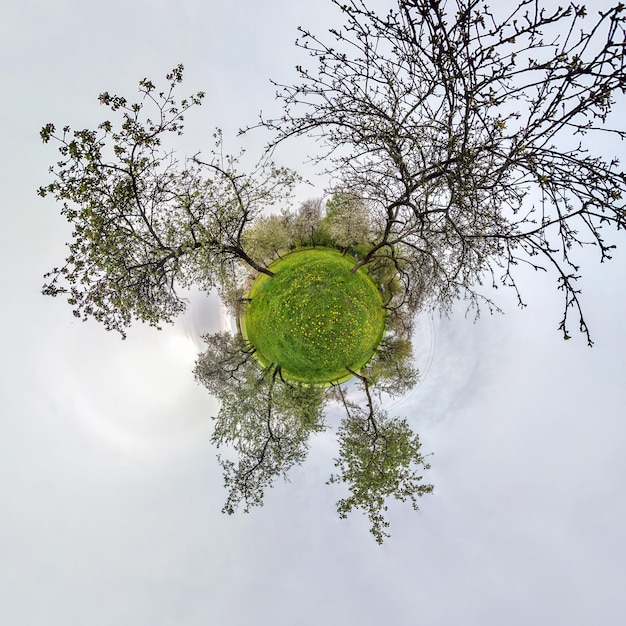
column 314, row 318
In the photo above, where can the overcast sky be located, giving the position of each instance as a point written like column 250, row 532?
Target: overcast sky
column 110, row 494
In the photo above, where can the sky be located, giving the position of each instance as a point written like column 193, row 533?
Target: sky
column 110, row 492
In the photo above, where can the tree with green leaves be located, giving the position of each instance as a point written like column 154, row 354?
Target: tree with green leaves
column 391, row 369
column 226, row 360
column 265, row 419
column 269, row 236
column 379, row 459
column 268, row 421
column 347, row 220
column 307, row 224
column 146, row 224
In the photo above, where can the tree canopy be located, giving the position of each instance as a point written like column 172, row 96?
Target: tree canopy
column 379, row 457
column 144, row 222
column 266, row 421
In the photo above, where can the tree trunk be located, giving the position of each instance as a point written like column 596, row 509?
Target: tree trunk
column 251, row 262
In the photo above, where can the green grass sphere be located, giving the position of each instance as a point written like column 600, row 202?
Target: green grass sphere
column 314, row 317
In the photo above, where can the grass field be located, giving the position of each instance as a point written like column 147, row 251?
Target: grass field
column 313, row 317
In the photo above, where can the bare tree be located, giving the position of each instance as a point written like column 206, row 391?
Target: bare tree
column 473, row 135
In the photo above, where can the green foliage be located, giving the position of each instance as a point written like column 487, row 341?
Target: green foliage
column 268, row 424
column 391, row 369
column 379, row 458
column 314, row 317
column 270, row 236
column 307, row 224
column 145, row 224
column 347, row 220
column 267, row 421
column 226, row 361
column 125, row 247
